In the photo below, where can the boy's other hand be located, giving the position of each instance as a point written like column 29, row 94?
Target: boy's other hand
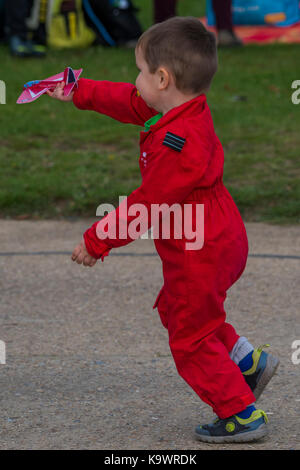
column 58, row 93
column 81, row 255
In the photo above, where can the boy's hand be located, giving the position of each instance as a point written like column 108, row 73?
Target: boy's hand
column 58, row 93
column 81, row 256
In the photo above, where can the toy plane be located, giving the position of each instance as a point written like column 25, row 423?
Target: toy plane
column 36, row 88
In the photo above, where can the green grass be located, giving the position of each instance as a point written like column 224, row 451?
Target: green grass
column 57, row 161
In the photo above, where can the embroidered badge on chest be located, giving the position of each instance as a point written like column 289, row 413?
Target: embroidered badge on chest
column 174, row 142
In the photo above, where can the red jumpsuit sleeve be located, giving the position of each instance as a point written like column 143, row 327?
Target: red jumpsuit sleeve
column 120, row 101
column 180, row 173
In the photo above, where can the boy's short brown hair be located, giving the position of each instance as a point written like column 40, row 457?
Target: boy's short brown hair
column 186, row 48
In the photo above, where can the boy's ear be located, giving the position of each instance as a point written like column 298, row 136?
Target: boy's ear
column 164, row 78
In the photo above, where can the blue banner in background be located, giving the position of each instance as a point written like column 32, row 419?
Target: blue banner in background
column 260, row 12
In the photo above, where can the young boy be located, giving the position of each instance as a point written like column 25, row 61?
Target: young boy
column 181, row 162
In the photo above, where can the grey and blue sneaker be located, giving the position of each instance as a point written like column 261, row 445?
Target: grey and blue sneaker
column 234, row 429
column 263, row 368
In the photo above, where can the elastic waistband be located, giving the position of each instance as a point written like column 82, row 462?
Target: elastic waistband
column 202, row 194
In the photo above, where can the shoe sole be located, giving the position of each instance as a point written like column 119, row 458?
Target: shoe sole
column 270, row 370
column 250, row 436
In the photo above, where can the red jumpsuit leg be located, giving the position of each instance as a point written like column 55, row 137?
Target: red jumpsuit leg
column 191, row 307
column 227, row 335
column 204, row 362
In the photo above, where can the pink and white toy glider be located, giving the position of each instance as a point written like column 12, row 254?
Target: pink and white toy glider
column 36, row 88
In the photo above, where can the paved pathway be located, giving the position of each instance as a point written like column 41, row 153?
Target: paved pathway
column 88, row 364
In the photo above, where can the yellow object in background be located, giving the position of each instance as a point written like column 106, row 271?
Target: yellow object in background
column 273, row 18
column 69, row 30
column 43, row 10
column 72, row 24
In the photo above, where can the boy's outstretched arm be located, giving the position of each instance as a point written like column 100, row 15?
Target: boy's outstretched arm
column 181, row 172
column 120, row 101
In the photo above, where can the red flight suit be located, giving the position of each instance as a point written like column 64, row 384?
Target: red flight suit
column 181, row 161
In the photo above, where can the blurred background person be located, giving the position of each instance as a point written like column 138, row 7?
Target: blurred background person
column 224, row 24
column 2, row 20
column 17, row 31
column 164, row 9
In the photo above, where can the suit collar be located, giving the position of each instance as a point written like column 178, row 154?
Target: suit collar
column 190, row 108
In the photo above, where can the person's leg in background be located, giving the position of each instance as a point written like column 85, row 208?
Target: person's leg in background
column 2, row 19
column 16, row 13
column 164, row 9
column 226, row 37
column 39, row 35
column 224, row 23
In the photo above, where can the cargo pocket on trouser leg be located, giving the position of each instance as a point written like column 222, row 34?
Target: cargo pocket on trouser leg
column 161, row 306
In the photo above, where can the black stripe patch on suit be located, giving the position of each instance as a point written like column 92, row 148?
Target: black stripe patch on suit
column 174, row 142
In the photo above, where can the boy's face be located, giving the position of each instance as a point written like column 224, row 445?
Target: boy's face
column 146, row 82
